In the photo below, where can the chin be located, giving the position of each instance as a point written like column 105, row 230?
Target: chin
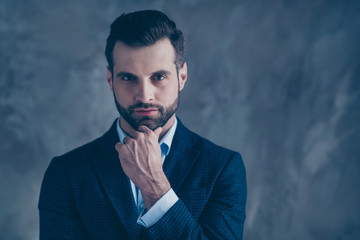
column 150, row 124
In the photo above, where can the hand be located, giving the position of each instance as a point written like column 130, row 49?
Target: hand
column 140, row 158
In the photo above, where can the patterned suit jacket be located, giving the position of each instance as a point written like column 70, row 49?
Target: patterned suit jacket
column 86, row 195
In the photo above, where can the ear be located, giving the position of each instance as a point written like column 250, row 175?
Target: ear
column 182, row 76
column 109, row 78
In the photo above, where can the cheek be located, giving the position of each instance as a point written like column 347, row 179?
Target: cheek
column 122, row 96
column 169, row 94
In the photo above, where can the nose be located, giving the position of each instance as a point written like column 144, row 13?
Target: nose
column 144, row 91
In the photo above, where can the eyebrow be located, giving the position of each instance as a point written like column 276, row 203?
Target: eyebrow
column 120, row 74
column 161, row 72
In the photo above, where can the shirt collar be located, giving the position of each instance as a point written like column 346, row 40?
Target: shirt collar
column 165, row 142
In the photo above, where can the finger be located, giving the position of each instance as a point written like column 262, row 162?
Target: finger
column 118, row 146
column 144, row 129
column 127, row 139
column 158, row 131
column 135, row 135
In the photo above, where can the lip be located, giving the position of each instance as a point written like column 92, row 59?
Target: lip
column 146, row 111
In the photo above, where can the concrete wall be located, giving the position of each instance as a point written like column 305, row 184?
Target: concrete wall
column 276, row 80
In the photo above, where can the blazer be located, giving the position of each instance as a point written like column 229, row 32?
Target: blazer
column 86, row 195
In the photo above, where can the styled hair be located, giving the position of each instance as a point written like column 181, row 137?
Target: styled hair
column 144, row 28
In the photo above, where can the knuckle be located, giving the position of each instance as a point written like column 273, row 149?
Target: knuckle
column 127, row 139
column 137, row 135
column 144, row 129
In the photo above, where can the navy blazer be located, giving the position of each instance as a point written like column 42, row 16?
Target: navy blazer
column 86, row 195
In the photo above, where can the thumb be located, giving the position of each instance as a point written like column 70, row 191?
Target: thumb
column 158, row 131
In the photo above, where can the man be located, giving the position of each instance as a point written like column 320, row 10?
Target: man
column 148, row 177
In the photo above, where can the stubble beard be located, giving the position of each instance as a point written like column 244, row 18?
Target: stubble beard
column 165, row 113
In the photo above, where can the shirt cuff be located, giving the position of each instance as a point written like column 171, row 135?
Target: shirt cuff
column 149, row 218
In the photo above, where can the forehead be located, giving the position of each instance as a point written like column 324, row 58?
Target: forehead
column 142, row 60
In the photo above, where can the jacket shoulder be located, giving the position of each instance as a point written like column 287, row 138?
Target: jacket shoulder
column 100, row 146
column 82, row 151
column 211, row 149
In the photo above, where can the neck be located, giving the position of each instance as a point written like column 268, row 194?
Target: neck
column 167, row 126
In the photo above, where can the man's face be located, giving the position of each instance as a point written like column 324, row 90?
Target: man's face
column 145, row 83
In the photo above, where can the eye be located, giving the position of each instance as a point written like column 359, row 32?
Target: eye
column 127, row 77
column 158, row 77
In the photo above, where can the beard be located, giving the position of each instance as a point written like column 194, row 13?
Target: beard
column 152, row 122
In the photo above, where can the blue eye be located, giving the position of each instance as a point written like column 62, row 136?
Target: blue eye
column 127, row 78
column 158, row 77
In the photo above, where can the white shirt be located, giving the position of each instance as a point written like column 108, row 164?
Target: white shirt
column 150, row 217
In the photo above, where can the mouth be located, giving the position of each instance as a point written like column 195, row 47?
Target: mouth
column 145, row 111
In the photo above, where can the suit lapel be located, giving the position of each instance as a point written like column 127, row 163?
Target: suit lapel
column 182, row 156
column 115, row 183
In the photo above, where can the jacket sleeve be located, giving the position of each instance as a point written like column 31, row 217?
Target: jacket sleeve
column 223, row 216
column 58, row 217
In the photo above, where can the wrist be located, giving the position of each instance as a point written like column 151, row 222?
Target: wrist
column 152, row 194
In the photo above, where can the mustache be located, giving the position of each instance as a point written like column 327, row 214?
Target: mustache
column 145, row 105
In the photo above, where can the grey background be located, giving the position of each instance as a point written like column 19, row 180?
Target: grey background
column 275, row 80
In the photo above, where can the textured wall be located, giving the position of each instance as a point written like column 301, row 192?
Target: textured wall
column 276, row 80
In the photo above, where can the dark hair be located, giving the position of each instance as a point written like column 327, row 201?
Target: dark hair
column 144, row 28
